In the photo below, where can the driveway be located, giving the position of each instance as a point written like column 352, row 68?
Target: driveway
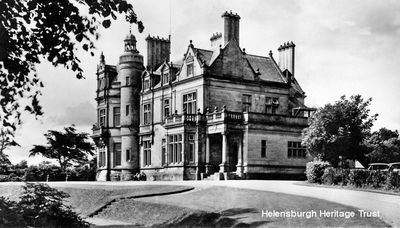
column 388, row 206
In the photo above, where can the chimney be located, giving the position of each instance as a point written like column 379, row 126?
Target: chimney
column 216, row 40
column 158, row 51
column 231, row 27
column 286, row 57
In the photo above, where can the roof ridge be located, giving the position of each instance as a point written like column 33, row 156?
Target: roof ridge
column 258, row 56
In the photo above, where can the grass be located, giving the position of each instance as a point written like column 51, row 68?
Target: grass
column 212, row 206
column 228, row 207
column 86, row 199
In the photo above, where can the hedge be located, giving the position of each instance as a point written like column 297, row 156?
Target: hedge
column 360, row 178
column 315, row 171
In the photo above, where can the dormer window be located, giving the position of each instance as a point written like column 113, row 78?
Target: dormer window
column 165, row 78
column 189, row 69
column 146, row 84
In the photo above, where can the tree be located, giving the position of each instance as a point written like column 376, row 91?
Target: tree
column 34, row 30
column 338, row 130
column 384, row 145
column 43, row 206
column 6, row 141
column 66, row 147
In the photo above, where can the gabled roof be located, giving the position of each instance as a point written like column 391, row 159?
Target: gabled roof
column 203, row 55
column 266, row 67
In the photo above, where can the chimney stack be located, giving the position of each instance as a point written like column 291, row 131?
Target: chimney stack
column 216, row 40
column 286, row 57
column 231, row 27
column 158, row 51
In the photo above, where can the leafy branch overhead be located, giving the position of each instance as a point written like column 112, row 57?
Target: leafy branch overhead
column 33, row 30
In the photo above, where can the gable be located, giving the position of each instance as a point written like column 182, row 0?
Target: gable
column 231, row 62
column 191, row 63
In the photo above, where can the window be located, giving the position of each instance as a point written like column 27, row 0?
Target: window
column 189, row 69
column 246, row 103
column 263, row 148
column 147, row 152
column 146, row 114
column 117, row 116
column 296, row 150
column 127, row 110
column 189, row 103
column 166, row 108
column 191, row 147
column 102, row 157
column 117, row 154
column 271, row 105
column 175, row 148
column 102, row 117
column 128, row 155
column 101, row 84
column 165, row 78
column 127, row 81
column 146, row 84
column 163, row 150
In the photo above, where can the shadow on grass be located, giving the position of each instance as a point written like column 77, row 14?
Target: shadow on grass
column 213, row 219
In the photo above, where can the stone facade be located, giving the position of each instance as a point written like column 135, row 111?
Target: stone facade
column 221, row 112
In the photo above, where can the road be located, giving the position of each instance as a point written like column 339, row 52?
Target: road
column 387, row 205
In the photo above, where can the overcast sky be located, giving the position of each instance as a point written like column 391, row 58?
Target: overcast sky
column 342, row 48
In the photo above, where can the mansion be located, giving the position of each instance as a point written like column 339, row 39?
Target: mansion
column 218, row 113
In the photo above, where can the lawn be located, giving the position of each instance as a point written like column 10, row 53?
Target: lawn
column 86, row 199
column 208, row 206
column 228, row 207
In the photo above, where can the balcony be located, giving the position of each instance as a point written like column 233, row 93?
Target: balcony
column 180, row 119
column 224, row 116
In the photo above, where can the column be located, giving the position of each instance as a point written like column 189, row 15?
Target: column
column 239, row 167
column 222, row 166
column 208, row 166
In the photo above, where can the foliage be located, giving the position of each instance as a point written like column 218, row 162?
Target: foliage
column 9, row 214
column 315, row 170
column 41, row 172
column 362, row 178
column 393, row 181
column 377, row 178
column 384, row 145
column 339, row 130
column 6, row 141
column 329, row 176
column 358, row 177
column 32, row 31
column 43, row 206
column 66, row 147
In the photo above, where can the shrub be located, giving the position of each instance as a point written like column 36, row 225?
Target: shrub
column 358, row 177
column 393, row 181
column 376, row 178
column 315, row 170
column 9, row 213
column 43, row 206
column 342, row 176
column 329, row 176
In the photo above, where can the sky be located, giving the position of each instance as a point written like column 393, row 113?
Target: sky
column 342, row 48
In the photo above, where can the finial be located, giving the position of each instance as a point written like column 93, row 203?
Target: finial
column 130, row 29
column 244, row 50
column 270, row 53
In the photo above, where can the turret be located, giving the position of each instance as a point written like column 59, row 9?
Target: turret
column 130, row 68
